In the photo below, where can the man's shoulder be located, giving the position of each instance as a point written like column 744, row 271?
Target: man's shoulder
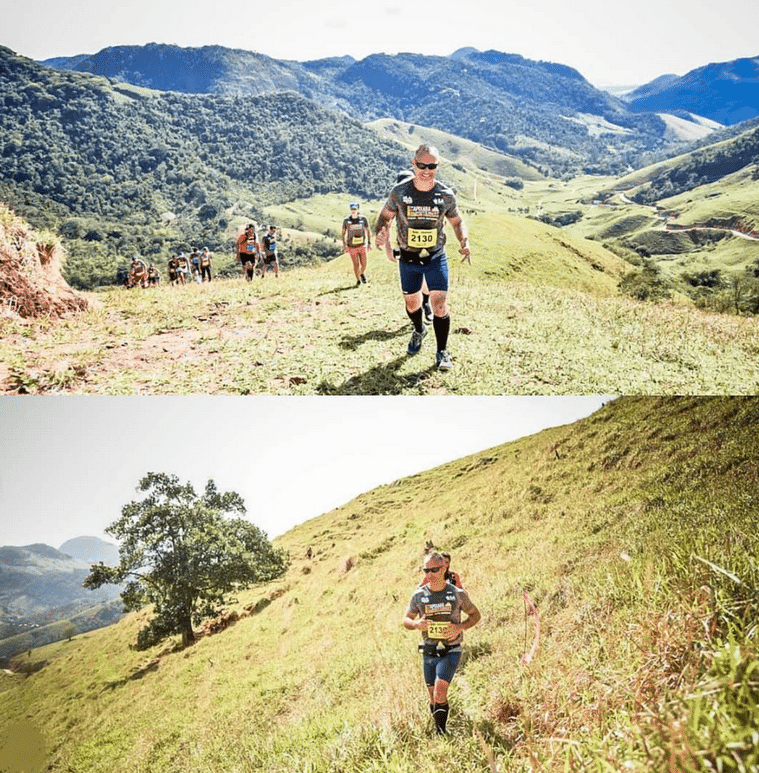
column 444, row 189
column 417, row 595
column 403, row 187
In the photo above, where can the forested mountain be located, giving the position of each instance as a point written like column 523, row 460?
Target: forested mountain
column 42, row 598
column 700, row 166
column 204, row 70
column 36, row 578
column 727, row 92
column 116, row 169
column 545, row 113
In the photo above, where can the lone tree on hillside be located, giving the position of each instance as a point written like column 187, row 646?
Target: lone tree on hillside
column 182, row 553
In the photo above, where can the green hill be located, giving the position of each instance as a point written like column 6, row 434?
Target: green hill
column 634, row 532
column 118, row 169
column 694, row 217
column 702, row 166
column 538, row 312
column 691, row 220
column 456, row 150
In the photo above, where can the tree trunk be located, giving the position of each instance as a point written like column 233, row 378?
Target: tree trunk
column 188, row 635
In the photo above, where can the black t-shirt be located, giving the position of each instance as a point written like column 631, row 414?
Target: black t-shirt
column 355, row 230
column 420, row 215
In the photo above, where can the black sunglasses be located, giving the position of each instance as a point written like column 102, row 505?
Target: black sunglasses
column 425, row 166
column 433, row 569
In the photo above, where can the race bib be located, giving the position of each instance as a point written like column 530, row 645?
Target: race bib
column 436, row 629
column 422, row 238
column 357, row 241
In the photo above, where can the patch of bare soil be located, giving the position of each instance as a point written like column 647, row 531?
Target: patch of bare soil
column 31, row 284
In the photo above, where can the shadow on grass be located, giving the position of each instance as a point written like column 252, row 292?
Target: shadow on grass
column 474, row 652
column 336, row 290
column 380, row 380
column 351, row 343
column 134, row 676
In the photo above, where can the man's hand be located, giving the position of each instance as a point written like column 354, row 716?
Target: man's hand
column 453, row 630
column 466, row 252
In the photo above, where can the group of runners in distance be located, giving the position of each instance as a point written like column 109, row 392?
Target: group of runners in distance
column 420, row 205
column 257, row 256
column 195, row 268
column 142, row 274
column 180, row 269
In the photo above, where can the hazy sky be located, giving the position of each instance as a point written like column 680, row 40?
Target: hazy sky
column 70, row 463
column 617, row 42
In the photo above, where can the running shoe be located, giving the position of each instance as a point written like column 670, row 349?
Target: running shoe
column 427, row 313
column 444, row 361
column 363, row 279
column 415, row 344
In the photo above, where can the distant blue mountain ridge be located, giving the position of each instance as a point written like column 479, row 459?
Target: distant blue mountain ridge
column 726, row 92
column 41, row 595
column 37, row 578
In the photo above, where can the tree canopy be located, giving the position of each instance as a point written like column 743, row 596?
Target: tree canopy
column 183, row 553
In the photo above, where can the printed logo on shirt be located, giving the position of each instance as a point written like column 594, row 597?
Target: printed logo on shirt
column 422, row 212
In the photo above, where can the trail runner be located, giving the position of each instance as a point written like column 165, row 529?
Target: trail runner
column 205, row 264
column 247, row 250
column 420, row 206
column 356, row 240
column 435, row 610
column 270, row 252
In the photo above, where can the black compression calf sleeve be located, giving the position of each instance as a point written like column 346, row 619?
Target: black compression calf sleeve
column 440, row 713
column 416, row 319
column 442, row 326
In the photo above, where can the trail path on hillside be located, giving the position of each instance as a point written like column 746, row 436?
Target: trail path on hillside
column 311, row 332
column 668, row 225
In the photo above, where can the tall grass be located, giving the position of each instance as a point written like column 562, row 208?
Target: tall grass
column 634, row 532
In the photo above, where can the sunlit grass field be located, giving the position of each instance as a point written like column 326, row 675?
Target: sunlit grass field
column 634, row 533
column 538, row 312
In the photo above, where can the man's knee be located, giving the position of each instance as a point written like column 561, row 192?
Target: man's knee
column 439, row 303
column 413, row 301
column 440, row 692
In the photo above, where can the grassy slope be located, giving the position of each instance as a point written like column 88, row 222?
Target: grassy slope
column 323, row 678
column 537, row 313
column 472, row 155
column 729, row 202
